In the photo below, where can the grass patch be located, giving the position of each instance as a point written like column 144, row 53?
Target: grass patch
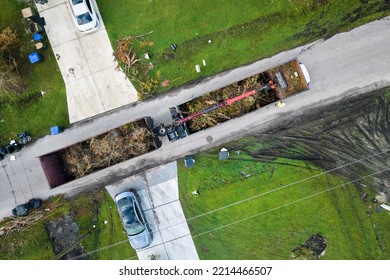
column 240, row 32
column 29, row 111
column 33, row 243
column 95, row 209
column 90, row 209
column 277, row 220
column 387, row 96
column 381, row 221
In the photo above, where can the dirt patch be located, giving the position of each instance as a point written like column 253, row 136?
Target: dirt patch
column 204, row 249
column 64, row 236
column 322, row 26
column 313, row 248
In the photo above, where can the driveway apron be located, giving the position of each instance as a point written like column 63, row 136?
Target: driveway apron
column 94, row 83
column 159, row 192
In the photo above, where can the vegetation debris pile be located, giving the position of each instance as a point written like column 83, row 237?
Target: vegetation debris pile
column 113, row 147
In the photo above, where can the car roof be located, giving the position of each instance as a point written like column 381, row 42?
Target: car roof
column 129, row 211
column 80, row 8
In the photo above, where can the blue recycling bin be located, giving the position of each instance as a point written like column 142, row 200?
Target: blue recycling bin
column 38, row 37
column 54, row 130
column 35, row 57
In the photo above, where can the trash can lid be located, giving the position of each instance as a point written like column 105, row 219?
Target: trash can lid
column 34, row 57
column 54, row 130
column 39, row 45
column 37, row 36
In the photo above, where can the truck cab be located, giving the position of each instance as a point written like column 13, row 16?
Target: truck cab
column 305, row 72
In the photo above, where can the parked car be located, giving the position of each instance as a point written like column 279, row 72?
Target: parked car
column 137, row 229
column 85, row 15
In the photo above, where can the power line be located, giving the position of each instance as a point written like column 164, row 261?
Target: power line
column 285, row 186
column 288, row 204
column 274, row 190
column 28, row 179
column 344, row 157
column 10, row 183
column 17, row 178
column 100, row 249
column 250, row 198
column 244, row 219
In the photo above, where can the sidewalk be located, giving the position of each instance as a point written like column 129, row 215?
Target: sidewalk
column 93, row 83
column 159, row 192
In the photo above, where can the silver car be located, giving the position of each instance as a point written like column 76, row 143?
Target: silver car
column 85, row 15
column 138, row 232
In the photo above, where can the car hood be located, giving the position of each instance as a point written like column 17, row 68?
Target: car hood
column 141, row 240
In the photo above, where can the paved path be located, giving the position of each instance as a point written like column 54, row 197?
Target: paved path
column 159, row 192
column 347, row 64
column 93, row 83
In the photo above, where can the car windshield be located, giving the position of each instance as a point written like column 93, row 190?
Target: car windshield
column 84, row 18
column 132, row 225
column 75, row 2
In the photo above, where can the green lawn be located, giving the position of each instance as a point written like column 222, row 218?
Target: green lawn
column 96, row 208
column 106, row 241
column 240, row 31
column 29, row 111
column 276, row 222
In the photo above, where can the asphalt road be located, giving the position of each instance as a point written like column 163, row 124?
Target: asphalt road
column 347, row 64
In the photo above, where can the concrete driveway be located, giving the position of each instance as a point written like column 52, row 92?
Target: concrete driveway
column 159, row 192
column 93, row 82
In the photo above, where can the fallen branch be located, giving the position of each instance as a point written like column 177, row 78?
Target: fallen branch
column 20, row 223
column 136, row 36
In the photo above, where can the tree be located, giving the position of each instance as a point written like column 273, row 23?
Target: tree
column 10, row 81
column 9, row 46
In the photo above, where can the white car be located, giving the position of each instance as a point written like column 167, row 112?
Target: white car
column 85, row 15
